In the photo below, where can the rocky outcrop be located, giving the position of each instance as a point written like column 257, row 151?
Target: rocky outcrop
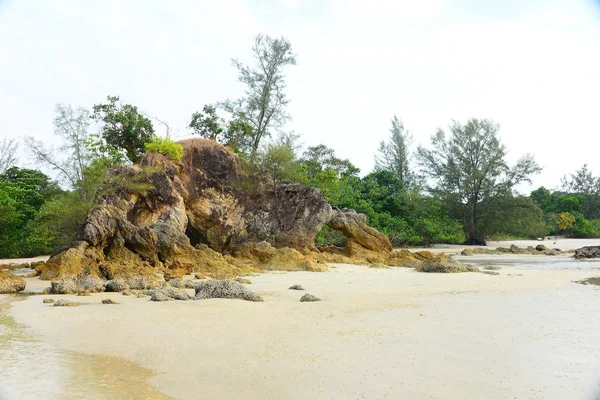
column 587, row 252
column 207, row 213
column 10, row 283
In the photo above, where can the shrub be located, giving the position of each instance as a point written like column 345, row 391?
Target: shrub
column 166, row 147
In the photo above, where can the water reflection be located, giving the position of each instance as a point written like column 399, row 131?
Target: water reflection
column 31, row 369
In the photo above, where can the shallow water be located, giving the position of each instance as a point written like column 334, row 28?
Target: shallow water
column 31, row 369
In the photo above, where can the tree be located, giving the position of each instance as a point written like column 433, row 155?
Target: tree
column 235, row 134
column 8, row 151
column 394, row 154
column 469, row 168
column 207, row 124
column 124, row 127
column 264, row 103
column 582, row 181
column 277, row 162
column 71, row 126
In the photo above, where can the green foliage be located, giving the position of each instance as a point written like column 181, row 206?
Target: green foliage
column 23, row 192
column 207, row 124
column 236, row 133
column 124, row 127
column 572, row 214
column 394, row 154
column 470, row 171
column 55, row 224
column 263, row 107
column 512, row 216
column 165, row 146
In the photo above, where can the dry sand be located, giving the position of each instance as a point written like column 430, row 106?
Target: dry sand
column 378, row 333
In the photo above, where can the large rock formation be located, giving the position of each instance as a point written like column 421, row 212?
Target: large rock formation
column 207, row 213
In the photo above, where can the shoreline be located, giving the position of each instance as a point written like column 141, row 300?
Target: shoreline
column 378, row 332
column 61, row 373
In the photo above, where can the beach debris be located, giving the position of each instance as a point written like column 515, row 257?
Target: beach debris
column 109, row 301
column 224, row 289
column 116, row 285
column 309, row 298
column 65, row 303
column 243, row 281
column 296, row 287
column 10, row 283
column 48, row 301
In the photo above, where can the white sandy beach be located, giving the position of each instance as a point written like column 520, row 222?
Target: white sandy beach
column 378, row 333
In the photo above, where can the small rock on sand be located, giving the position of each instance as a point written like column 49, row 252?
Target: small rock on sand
column 296, row 287
column 65, row 303
column 309, row 298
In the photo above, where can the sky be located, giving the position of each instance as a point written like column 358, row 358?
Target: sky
column 532, row 66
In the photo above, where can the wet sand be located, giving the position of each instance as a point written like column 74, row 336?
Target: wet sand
column 378, row 333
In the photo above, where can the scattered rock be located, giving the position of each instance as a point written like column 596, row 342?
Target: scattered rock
column 379, row 266
column 491, row 268
column 449, row 266
column 490, row 272
column 243, row 281
column 65, row 303
column 142, row 282
column 116, row 285
column 177, row 283
column 224, row 289
column 541, row 247
column 84, row 293
column 48, row 301
column 190, row 284
column 587, row 252
column 308, row 298
column 167, row 293
column 10, row 283
column 109, row 301
column 296, row 287
column 82, row 284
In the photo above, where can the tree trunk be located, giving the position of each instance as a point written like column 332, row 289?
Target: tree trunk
column 472, row 238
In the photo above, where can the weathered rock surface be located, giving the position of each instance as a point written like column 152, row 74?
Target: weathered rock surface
column 208, row 214
column 587, row 252
column 223, row 289
column 10, row 283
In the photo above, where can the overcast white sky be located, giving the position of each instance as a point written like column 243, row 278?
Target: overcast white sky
column 532, row 66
